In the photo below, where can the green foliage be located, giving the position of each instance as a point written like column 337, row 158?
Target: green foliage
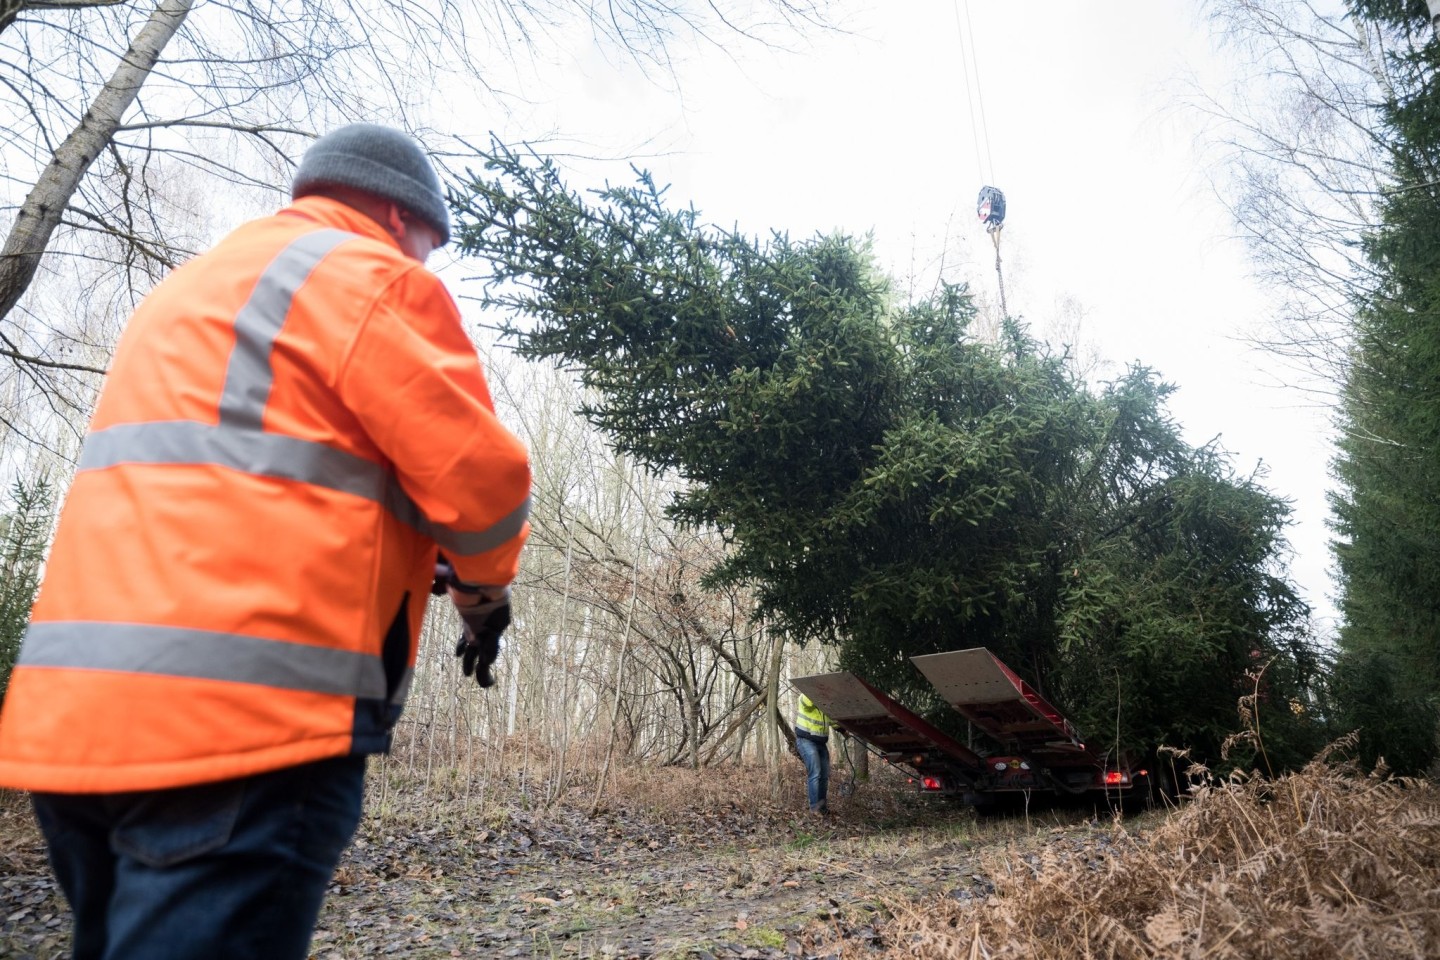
column 1396, row 721
column 24, row 533
column 1172, row 612
column 888, row 481
column 1387, row 506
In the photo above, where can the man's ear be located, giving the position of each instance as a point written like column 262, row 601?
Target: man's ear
column 394, row 222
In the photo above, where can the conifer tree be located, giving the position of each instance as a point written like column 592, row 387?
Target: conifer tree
column 24, row 532
column 888, row 481
column 1387, row 506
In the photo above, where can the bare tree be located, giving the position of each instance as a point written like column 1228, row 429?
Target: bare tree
column 105, row 105
column 1306, row 164
column 629, row 650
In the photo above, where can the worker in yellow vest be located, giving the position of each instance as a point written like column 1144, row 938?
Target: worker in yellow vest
column 812, row 742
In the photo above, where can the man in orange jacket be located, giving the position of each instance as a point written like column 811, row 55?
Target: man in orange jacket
column 295, row 429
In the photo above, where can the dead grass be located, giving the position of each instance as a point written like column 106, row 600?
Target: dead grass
column 678, row 793
column 1323, row 863
column 524, row 775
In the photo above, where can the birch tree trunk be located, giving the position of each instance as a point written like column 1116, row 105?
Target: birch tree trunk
column 40, row 214
column 619, row 678
column 560, row 739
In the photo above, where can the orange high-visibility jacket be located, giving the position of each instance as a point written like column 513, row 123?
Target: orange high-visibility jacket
column 293, row 424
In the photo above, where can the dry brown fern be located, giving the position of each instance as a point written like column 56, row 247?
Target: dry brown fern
column 1329, row 861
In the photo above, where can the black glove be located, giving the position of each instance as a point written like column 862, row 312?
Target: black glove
column 480, row 641
column 485, row 612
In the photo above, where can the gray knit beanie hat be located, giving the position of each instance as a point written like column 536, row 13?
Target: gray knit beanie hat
column 380, row 161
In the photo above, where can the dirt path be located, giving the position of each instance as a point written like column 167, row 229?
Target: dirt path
column 722, row 883
column 572, row 887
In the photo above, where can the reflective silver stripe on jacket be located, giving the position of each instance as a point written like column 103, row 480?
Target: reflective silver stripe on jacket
column 202, row 655
column 290, row 458
column 805, row 723
column 239, row 443
column 249, row 376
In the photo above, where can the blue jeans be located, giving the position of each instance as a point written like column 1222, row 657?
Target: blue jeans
column 236, row 869
column 815, row 754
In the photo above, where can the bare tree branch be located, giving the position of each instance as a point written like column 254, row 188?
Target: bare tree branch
column 10, row 9
column 10, row 350
column 40, row 214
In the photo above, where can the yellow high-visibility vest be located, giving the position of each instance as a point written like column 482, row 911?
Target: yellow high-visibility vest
column 809, row 719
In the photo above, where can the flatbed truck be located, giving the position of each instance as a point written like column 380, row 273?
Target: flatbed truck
column 1026, row 744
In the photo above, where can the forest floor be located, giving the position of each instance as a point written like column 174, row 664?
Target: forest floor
column 717, row 863
column 680, row 865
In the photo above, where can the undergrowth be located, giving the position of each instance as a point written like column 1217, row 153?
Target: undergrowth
column 1329, row 861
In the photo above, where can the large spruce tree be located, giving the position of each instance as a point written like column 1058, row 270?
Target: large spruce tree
column 888, row 481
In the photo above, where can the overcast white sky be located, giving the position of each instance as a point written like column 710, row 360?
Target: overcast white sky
column 1108, row 185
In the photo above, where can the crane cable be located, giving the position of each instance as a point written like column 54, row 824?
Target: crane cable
column 965, row 60
column 992, row 207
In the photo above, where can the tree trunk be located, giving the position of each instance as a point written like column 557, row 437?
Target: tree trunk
column 560, row 739
column 9, row 10
column 40, row 214
column 777, row 722
column 743, row 715
column 692, row 722
column 619, row 678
